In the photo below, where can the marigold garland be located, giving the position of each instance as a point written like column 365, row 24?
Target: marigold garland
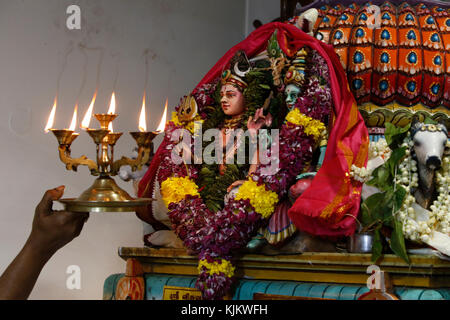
column 190, row 126
column 175, row 119
column 223, row 266
column 175, row 189
column 264, row 201
column 311, row 126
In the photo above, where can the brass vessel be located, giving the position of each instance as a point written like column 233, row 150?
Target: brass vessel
column 104, row 195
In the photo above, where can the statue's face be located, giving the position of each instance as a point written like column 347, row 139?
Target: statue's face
column 292, row 93
column 429, row 144
column 232, row 100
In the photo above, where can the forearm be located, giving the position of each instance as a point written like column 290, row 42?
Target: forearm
column 254, row 162
column 51, row 231
column 252, row 169
column 19, row 278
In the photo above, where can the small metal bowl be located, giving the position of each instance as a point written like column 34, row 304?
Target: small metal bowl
column 360, row 243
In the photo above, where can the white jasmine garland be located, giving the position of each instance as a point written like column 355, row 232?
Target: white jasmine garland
column 376, row 149
column 360, row 174
column 379, row 149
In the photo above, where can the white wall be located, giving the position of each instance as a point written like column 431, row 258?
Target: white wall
column 182, row 38
column 262, row 10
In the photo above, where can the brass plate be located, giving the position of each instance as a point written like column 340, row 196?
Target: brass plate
column 74, row 205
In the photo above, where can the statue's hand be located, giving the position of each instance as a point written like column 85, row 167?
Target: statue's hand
column 235, row 184
column 299, row 187
column 260, row 120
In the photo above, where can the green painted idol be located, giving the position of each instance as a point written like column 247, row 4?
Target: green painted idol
column 292, row 93
column 295, row 77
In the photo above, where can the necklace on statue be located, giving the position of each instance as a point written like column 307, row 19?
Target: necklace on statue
column 233, row 123
column 228, row 126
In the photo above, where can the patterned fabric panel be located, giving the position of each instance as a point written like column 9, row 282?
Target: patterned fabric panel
column 403, row 56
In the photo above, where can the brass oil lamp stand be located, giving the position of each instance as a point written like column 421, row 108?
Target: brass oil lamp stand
column 104, row 195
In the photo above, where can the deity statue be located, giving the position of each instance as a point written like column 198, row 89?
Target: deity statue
column 241, row 99
column 295, row 78
column 298, row 78
column 279, row 79
column 292, row 92
column 235, row 105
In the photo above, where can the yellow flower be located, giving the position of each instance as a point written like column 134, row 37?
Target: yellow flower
column 194, row 125
column 224, row 266
column 264, row 201
column 311, row 126
column 176, row 189
column 175, row 119
column 190, row 125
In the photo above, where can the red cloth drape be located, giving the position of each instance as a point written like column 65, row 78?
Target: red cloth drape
column 330, row 205
column 146, row 185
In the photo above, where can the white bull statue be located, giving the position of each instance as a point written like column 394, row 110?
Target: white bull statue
column 424, row 173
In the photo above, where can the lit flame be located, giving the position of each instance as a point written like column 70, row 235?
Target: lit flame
column 142, row 122
column 74, row 119
column 112, row 105
column 51, row 117
column 162, row 124
column 88, row 115
column 112, row 110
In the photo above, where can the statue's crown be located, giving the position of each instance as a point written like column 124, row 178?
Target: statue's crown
column 229, row 78
column 239, row 67
column 296, row 72
column 416, row 127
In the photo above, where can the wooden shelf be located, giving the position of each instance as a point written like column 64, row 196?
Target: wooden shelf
column 346, row 268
